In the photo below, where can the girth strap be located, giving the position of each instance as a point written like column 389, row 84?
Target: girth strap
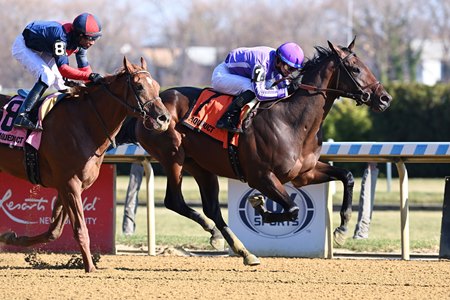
column 234, row 158
column 32, row 164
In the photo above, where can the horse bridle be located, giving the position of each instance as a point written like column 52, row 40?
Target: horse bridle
column 141, row 106
column 361, row 96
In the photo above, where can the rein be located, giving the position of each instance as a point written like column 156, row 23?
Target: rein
column 140, row 109
column 361, row 97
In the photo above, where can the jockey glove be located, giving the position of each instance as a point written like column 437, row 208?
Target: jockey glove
column 95, row 77
column 292, row 87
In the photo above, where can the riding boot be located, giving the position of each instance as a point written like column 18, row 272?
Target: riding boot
column 22, row 120
column 230, row 118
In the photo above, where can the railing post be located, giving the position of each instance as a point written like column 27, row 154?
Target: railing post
column 329, row 221
column 404, row 208
column 444, row 248
column 150, row 182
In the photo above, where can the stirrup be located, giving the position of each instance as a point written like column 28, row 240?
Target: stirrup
column 22, row 121
column 229, row 126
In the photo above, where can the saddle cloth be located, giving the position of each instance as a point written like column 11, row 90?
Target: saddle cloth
column 207, row 110
column 15, row 136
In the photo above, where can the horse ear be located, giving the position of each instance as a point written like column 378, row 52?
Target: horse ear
column 143, row 63
column 126, row 64
column 352, row 44
column 336, row 49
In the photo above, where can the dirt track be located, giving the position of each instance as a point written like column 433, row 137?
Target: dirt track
column 176, row 277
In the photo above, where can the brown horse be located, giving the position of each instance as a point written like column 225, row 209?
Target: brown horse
column 281, row 144
column 77, row 133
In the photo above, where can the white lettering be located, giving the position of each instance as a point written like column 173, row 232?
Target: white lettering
column 45, row 220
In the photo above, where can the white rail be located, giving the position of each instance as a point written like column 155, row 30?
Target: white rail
column 399, row 153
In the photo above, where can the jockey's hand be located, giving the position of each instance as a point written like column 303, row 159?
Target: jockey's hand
column 293, row 87
column 72, row 83
column 95, row 77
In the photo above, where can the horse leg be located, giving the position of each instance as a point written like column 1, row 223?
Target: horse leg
column 271, row 187
column 324, row 172
column 59, row 218
column 257, row 201
column 174, row 199
column 71, row 199
column 208, row 184
column 209, row 190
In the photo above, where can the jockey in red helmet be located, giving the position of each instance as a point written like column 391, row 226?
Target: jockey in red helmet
column 43, row 49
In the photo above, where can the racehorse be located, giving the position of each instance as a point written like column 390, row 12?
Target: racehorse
column 281, row 144
column 77, row 133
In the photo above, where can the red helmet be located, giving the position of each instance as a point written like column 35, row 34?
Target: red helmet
column 88, row 25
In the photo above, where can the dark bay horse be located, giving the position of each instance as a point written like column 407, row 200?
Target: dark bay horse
column 77, row 133
column 281, row 144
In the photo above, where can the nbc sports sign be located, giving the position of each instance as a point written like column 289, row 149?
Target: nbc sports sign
column 304, row 237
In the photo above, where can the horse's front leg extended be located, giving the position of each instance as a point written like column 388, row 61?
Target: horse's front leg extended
column 324, row 172
column 340, row 233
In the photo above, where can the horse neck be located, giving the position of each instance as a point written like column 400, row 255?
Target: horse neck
column 106, row 109
column 324, row 78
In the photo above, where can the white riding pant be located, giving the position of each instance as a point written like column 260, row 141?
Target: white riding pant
column 225, row 82
column 39, row 64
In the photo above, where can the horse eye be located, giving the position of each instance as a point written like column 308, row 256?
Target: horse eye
column 139, row 87
column 355, row 70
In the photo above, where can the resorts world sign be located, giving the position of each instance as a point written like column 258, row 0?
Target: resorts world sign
column 27, row 210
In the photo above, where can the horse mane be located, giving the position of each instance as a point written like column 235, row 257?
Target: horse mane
column 321, row 55
column 108, row 79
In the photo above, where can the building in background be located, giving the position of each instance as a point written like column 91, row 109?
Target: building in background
column 433, row 67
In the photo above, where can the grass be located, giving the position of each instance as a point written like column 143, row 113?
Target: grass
column 175, row 230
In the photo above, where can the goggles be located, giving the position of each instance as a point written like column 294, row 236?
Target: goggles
column 90, row 38
column 289, row 68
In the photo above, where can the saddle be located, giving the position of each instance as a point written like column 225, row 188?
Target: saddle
column 207, row 110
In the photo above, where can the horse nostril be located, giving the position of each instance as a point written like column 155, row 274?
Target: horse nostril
column 386, row 99
column 163, row 118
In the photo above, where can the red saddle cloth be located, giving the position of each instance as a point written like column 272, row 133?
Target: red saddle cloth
column 205, row 113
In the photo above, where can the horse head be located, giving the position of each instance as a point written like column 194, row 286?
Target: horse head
column 142, row 96
column 356, row 81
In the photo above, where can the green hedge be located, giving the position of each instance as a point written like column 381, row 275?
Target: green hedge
column 418, row 113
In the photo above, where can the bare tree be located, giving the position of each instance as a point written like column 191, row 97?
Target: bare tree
column 390, row 32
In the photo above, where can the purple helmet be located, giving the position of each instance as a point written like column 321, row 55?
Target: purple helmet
column 291, row 54
column 88, row 25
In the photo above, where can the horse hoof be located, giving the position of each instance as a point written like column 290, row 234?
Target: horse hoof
column 91, row 269
column 339, row 236
column 256, row 200
column 217, row 243
column 251, row 260
column 7, row 237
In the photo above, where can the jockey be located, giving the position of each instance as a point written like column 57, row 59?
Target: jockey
column 43, row 49
column 257, row 71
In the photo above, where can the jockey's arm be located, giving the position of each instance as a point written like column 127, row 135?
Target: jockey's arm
column 83, row 71
column 75, row 74
column 259, row 86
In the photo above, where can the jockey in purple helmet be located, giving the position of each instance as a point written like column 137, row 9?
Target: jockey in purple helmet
column 259, row 72
column 43, row 49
